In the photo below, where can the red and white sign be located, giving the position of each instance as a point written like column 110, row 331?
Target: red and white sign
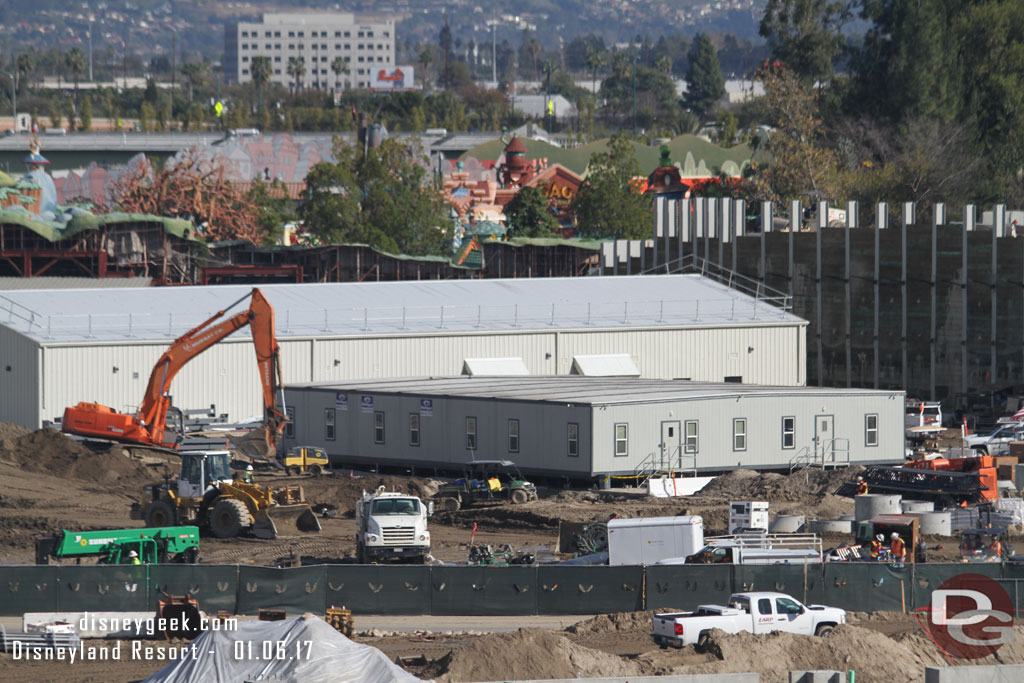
column 970, row 616
column 398, row 78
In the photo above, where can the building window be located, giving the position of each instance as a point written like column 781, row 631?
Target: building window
column 289, row 426
column 348, row 46
column 277, row 72
column 245, row 59
column 513, row 436
column 245, row 34
column 291, row 34
column 380, row 59
column 315, row 46
column 361, row 59
column 871, row 430
column 387, row 34
column 277, row 59
column 471, row 433
column 302, row 34
column 268, row 46
column 337, row 34
column 369, row 34
column 572, row 437
column 348, row 34
column 245, row 72
column 277, row 34
column 621, row 440
column 337, row 46
column 692, row 437
column 266, row 34
column 329, row 419
column 291, row 46
column 789, row 432
column 360, row 34
column 734, row 379
column 414, row 429
column 323, row 46
column 370, row 46
column 739, row 434
column 378, row 427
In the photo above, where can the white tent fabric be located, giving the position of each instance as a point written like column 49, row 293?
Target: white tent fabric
column 302, row 649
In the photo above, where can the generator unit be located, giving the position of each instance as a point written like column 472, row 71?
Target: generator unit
column 748, row 515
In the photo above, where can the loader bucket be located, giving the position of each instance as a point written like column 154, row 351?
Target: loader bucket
column 267, row 523
column 253, row 445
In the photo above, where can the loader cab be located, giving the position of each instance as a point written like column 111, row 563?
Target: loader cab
column 201, row 471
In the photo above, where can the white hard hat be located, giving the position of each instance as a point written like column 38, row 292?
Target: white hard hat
column 860, row 478
column 879, row 537
column 132, row 553
column 894, row 536
column 249, row 468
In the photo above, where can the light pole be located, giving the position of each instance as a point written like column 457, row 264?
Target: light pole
column 634, row 96
column 14, row 98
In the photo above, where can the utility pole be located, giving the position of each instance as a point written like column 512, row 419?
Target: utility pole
column 90, row 48
column 494, row 51
column 174, row 69
column 634, row 96
column 547, row 100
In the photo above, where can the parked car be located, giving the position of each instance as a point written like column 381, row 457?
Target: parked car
column 997, row 438
column 755, row 612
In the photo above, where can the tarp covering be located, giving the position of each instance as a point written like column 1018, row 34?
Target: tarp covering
column 302, row 649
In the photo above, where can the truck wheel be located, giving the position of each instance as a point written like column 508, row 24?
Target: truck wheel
column 823, row 630
column 160, row 513
column 450, row 504
column 190, row 556
column 294, row 471
column 229, row 517
column 703, row 643
column 519, row 497
column 316, row 471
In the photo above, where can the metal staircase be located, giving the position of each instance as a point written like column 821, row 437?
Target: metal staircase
column 824, row 454
column 672, row 463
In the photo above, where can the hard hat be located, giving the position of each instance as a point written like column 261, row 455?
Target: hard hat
column 894, row 536
column 860, row 478
column 249, row 468
column 879, row 537
column 132, row 553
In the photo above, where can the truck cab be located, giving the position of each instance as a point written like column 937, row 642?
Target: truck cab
column 754, row 612
column 392, row 526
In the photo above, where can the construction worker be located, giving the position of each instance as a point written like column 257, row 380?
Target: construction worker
column 898, row 550
column 494, row 484
column 862, row 487
column 875, row 547
column 247, row 477
column 133, row 557
column 995, row 549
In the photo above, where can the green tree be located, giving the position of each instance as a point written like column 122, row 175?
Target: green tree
column 597, row 59
column 146, row 114
column 339, row 66
column 26, row 66
column 528, row 214
column 608, row 204
column 274, row 208
column 261, row 71
column 87, row 114
column 296, row 70
column 76, row 63
column 705, row 85
column 425, row 59
column 197, row 74
column 383, row 198
column 806, row 35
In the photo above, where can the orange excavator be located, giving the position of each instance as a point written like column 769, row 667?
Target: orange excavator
column 148, row 426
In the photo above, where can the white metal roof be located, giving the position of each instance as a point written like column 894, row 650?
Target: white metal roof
column 605, row 365
column 573, row 389
column 392, row 308
column 482, row 367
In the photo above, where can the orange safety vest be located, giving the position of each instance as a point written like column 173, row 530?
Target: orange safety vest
column 997, row 548
column 898, row 550
column 876, row 548
column 862, row 488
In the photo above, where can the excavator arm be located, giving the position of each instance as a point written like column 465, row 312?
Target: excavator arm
column 148, row 425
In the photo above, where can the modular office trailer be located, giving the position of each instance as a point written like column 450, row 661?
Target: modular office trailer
column 590, row 428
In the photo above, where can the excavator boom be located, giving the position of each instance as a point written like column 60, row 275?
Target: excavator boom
column 148, row 426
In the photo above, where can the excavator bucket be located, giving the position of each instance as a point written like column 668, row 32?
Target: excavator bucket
column 253, row 445
column 300, row 516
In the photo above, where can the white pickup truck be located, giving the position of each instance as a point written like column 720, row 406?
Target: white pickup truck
column 759, row 612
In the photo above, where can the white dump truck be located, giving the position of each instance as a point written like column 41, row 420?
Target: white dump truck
column 760, row 612
column 392, row 526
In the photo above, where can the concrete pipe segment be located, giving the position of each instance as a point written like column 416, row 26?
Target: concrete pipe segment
column 787, row 524
column 937, row 523
column 913, row 507
column 874, row 504
column 831, row 526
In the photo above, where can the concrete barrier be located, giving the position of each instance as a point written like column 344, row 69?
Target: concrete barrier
column 974, row 674
column 874, row 504
column 830, row 526
column 819, row 676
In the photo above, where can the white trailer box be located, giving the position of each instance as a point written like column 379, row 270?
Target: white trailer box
column 746, row 515
column 647, row 540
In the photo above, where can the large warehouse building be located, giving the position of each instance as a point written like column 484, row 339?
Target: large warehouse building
column 589, row 427
column 59, row 347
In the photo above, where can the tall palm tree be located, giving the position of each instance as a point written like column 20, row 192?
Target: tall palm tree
column 26, row 64
column 662, row 63
column 425, row 59
column 533, row 49
column 77, row 63
column 339, row 66
column 261, row 70
column 296, row 70
column 597, row 59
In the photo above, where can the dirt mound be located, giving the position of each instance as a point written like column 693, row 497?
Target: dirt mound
column 527, row 654
column 51, row 452
column 623, row 622
column 803, row 486
column 9, row 430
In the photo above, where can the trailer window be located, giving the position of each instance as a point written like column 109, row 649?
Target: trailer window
column 289, row 426
column 329, row 418
column 573, row 440
column 471, row 433
column 513, row 436
column 789, row 432
column 621, row 440
column 414, row 429
column 871, row 430
column 692, row 436
column 739, row 434
column 378, row 427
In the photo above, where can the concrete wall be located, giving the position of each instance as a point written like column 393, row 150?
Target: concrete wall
column 974, row 674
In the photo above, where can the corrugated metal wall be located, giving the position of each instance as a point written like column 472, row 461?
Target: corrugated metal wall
column 19, row 378
column 225, row 374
